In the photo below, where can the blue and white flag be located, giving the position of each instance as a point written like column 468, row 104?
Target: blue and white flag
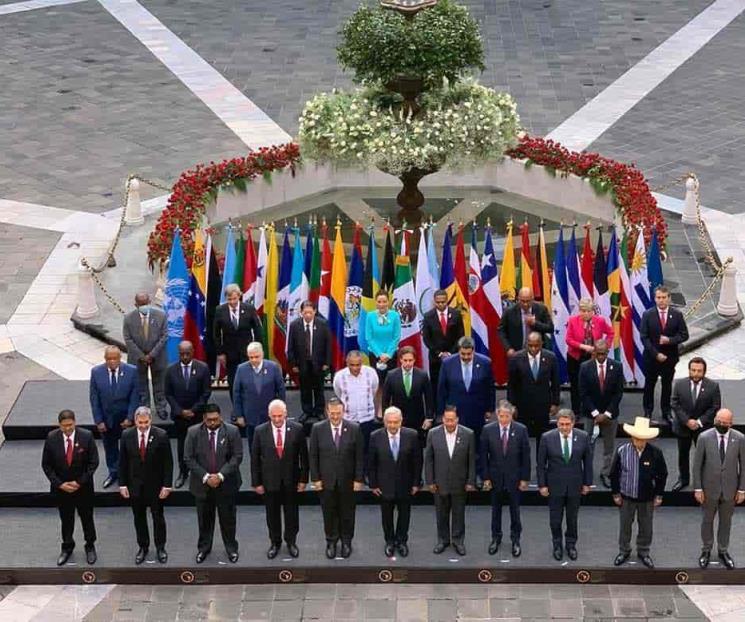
column 560, row 307
column 228, row 269
column 176, row 297
column 298, row 282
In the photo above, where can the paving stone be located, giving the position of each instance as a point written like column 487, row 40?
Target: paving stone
column 502, row 608
column 441, row 610
column 412, row 610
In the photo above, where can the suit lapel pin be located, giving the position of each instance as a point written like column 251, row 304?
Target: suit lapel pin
column 265, row 371
column 149, row 439
column 77, row 444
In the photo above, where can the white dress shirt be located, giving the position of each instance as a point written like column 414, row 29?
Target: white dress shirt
column 396, row 436
column 450, row 438
column 282, row 431
column 64, row 441
column 569, row 441
column 357, row 393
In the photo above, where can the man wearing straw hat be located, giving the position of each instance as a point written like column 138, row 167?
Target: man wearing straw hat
column 638, row 475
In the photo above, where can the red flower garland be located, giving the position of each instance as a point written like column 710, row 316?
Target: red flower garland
column 629, row 190
column 187, row 203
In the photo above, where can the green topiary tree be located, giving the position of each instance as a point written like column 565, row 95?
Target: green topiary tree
column 418, row 107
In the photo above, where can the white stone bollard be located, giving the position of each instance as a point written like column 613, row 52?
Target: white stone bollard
column 160, row 286
column 87, row 307
column 690, row 215
column 133, row 210
column 728, row 293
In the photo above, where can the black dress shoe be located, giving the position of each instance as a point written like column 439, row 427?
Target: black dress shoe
column 141, row 555
column 201, row 556
column 646, row 560
column 679, row 485
column 572, row 553
column 558, row 553
column 621, row 559
column 403, row 549
column 727, row 560
column 180, row 480
column 516, row 550
column 292, row 549
column 331, row 550
column 494, row 546
column 389, row 550
column 63, row 557
column 90, row 556
column 439, row 548
column 605, row 481
column 161, row 555
column 703, row 561
column 272, row 552
column 233, row 557
column 346, row 549
column 460, row 549
column 109, row 481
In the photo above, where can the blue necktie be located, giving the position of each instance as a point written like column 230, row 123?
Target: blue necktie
column 467, row 376
column 394, row 448
column 534, row 368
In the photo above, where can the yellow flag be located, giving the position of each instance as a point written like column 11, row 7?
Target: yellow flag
column 507, row 276
column 198, row 264
column 272, row 283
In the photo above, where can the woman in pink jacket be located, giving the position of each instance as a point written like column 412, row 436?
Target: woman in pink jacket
column 583, row 330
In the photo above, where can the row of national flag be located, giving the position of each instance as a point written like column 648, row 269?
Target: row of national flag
column 619, row 279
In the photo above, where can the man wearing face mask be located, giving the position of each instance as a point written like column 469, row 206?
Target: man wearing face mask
column 145, row 331
column 719, row 483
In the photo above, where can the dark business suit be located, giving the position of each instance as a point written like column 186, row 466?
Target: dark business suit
column 564, row 481
column 415, row 407
column 112, row 403
column 472, row 403
column 605, row 399
column 438, row 342
column 144, row 480
column 533, row 397
column 395, row 477
column 280, row 476
column 227, row 459
column 310, row 357
column 84, row 464
column 505, row 470
column 451, row 475
column 232, row 340
column 511, row 325
column 650, row 331
column 338, row 469
column 253, row 392
column 183, row 394
column 708, row 402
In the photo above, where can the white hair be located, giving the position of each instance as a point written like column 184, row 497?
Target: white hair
column 255, row 346
column 232, row 288
column 392, row 410
column 277, row 404
column 144, row 411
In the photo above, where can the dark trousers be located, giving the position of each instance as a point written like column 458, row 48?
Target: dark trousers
column 111, row 448
column 68, row 503
column 230, row 368
column 388, row 507
column 450, row 511
column 573, row 372
column 181, row 427
column 392, row 362
column 366, row 429
column 277, row 503
column 224, row 505
column 536, row 428
column 684, row 455
column 643, row 511
column 338, row 506
column 434, row 372
column 312, row 399
column 557, row 505
column 139, row 510
column 497, row 499
column 159, row 397
column 665, row 372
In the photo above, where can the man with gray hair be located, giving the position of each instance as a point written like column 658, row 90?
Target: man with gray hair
column 145, row 477
column 257, row 383
column 236, row 325
column 394, row 474
column 279, row 472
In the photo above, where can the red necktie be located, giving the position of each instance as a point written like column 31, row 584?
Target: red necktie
column 601, row 376
column 280, row 447
column 68, row 453
column 663, row 319
column 142, row 446
column 443, row 323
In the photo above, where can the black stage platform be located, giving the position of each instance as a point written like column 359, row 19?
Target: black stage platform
column 30, row 547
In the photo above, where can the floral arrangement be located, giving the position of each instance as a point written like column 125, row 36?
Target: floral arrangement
column 197, row 187
column 457, row 125
column 382, row 45
column 627, row 185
